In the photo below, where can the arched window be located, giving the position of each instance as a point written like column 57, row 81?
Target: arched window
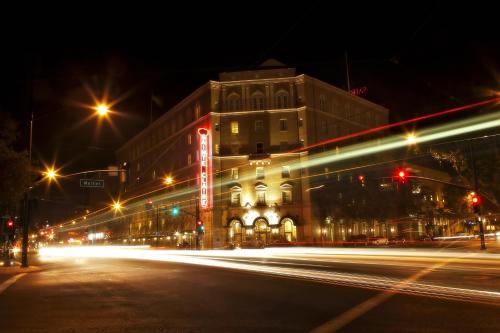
column 261, row 231
column 257, row 100
column 235, row 234
column 289, row 229
column 233, row 102
column 282, row 100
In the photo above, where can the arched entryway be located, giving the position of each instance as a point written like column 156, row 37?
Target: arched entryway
column 261, row 230
column 235, row 232
column 288, row 229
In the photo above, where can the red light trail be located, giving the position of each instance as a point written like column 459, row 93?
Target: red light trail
column 399, row 123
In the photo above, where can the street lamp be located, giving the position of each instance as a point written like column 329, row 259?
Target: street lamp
column 411, row 139
column 51, row 174
column 102, row 109
column 117, row 206
column 168, row 180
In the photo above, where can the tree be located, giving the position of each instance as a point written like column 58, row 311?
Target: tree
column 14, row 167
column 486, row 154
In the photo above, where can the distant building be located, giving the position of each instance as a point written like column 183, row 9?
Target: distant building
column 252, row 125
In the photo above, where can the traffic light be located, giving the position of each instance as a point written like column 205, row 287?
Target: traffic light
column 401, row 175
column 175, row 211
column 9, row 228
column 200, row 228
column 361, row 179
column 476, row 203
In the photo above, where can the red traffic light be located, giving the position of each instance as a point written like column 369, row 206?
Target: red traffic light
column 475, row 199
column 401, row 175
column 10, row 224
column 361, row 178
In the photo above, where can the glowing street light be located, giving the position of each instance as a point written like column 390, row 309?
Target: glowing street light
column 51, row 174
column 411, row 139
column 117, row 206
column 168, row 180
column 102, row 109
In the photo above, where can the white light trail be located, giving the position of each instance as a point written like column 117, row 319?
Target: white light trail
column 314, row 275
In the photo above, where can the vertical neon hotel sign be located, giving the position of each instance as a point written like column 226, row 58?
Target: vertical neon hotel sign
column 204, row 168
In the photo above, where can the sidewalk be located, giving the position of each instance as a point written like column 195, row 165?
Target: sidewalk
column 7, row 272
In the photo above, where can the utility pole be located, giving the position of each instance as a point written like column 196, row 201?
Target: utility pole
column 157, row 229
column 27, row 202
column 476, row 189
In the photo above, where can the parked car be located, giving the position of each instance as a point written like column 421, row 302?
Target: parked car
column 358, row 240
column 378, row 241
column 398, row 240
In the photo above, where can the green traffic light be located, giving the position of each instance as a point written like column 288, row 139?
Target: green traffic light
column 175, row 211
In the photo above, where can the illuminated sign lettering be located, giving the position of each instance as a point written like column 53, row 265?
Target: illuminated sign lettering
column 204, row 167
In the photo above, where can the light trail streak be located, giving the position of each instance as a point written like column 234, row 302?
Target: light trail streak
column 404, row 286
column 399, row 123
column 457, row 128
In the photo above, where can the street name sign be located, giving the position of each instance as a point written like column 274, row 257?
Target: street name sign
column 94, row 183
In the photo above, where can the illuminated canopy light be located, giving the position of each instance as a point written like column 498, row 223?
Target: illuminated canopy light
column 250, row 216
column 272, row 217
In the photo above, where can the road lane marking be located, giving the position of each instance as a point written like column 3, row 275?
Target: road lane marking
column 359, row 310
column 9, row 282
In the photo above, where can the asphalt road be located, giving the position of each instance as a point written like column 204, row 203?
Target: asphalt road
column 256, row 291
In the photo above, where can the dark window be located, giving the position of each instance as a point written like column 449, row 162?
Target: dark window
column 260, row 148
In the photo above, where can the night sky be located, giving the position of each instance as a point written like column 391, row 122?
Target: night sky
column 414, row 59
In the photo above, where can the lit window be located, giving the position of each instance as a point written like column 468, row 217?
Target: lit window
column 189, row 139
column 235, row 127
column 259, row 172
column 235, row 198
column 261, row 197
column 234, row 173
column 283, row 125
column 286, row 196
column 260, row 148
column 285, row 171
column 217, row 149
column 189, row 159
column 259, row 125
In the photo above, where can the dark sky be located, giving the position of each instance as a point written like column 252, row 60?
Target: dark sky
column 413, row 58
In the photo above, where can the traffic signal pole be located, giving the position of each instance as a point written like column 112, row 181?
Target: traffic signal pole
column 477, row 209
